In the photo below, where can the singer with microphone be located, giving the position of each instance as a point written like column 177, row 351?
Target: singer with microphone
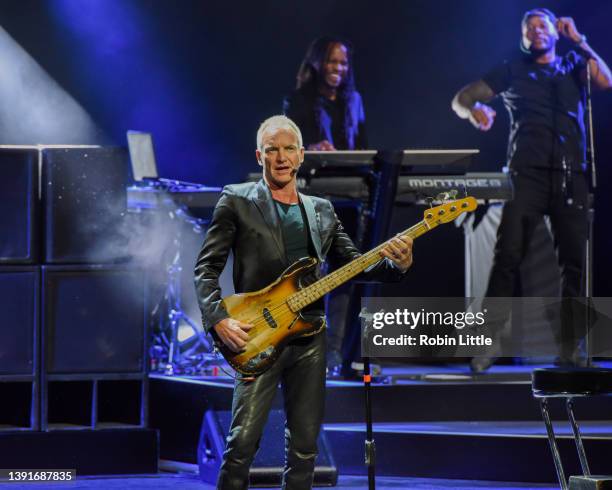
column 268, row 225
column 544, row 93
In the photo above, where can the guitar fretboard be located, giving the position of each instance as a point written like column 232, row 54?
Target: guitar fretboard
column 317, row 290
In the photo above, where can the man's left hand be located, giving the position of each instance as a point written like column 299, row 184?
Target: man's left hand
column 567, row 28
column 399, row 250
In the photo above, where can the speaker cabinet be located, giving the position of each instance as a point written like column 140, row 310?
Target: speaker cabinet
column 20, row 216
column 19, row 288
column 85, row 201
column 267, row 468
column 93, row 319
column 99, row 403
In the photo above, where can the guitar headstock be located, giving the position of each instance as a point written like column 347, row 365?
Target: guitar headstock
column 444, row 213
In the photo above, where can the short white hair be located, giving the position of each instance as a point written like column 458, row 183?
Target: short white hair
column 277, row 123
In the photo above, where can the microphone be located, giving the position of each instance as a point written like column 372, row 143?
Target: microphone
column 296, row 169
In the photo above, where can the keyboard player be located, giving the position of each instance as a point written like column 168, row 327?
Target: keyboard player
column 328, row 109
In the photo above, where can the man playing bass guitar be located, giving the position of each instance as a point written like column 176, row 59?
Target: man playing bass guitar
column 268, row 225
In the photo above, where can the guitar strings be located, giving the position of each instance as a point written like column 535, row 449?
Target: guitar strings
column 350, row 268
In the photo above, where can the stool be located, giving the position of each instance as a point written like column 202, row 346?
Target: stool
column 568, row 384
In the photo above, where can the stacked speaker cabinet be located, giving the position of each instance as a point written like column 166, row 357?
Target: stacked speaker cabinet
column 19, row 289
column 93, row 359
column 84, row 195
column 20, row 216
column 19, row 359
column 72, row 332
column 94, row 350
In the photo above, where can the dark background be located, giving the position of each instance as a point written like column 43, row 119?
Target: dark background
column 202, row 75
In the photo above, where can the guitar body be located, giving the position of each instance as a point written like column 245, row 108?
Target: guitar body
column 274, row 323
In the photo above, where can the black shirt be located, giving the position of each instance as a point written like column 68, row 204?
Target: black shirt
column 336, row 111
column 546, row 107
column 297, row 245
column 295, row 235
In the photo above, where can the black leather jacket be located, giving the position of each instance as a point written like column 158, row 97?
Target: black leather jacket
column 246, row 222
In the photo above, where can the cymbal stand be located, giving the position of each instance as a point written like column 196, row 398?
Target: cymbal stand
column 172, row 354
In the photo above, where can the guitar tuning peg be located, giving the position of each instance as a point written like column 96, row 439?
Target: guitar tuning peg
column 429, row 200
column 453, row 194
column 443, row 196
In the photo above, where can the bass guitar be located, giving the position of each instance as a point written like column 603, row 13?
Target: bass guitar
column 274, row 311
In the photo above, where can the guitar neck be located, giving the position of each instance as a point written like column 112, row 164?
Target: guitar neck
column 317, row 290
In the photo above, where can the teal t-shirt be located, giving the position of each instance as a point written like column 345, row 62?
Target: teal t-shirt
column 294, row 230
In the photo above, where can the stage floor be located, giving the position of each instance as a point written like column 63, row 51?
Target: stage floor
column 435, row 421
column 192, row 482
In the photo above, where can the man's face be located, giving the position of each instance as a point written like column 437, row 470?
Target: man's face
column 280, row 157
column 335, row 68
column 539, row 34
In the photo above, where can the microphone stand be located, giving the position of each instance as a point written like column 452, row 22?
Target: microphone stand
column 370, row 444
column 592, row 169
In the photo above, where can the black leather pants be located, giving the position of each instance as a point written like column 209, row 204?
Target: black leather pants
column 539, row 192
column 301, row 371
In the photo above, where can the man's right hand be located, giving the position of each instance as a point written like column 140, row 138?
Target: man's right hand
column 482, row 116
column 233, row 333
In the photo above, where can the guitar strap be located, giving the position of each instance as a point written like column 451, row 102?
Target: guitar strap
column 313, row 226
